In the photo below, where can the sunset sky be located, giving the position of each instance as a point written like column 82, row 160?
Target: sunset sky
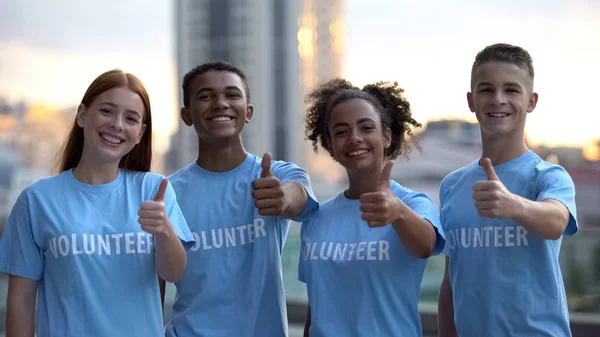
column 51, row 50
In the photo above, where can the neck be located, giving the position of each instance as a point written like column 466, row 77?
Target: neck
column 361, row 182
column 221, row 157
column 90, row 172
column 503, row 149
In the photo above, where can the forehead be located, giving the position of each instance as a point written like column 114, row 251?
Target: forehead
column 122, row 97
column 352, row 111
column 215, row 79
column 499, row 73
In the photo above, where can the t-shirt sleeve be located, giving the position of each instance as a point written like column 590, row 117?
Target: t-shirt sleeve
column 287, row 172
column 421, row 204
column 555, row 183
column 177, row 218
column 20, row 255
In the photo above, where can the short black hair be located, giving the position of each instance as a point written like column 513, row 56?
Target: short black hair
column 211, row 66
column 386, row 97
column 504, row 52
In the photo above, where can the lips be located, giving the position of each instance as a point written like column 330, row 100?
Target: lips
column 111, row 139
column 220, row 119
column 498, row 114
column 358, row 153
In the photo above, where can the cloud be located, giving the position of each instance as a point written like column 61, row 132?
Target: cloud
column 113, row 25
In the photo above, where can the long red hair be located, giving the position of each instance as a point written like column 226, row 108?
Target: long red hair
column 140, row 157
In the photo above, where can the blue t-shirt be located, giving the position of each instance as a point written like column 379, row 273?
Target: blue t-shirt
column 505, row 281
column 94, row 264
column 233, row 283
column 360, row 280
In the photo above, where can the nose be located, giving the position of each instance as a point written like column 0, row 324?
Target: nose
column 498, row 98
column 220, row 103
column 116, row 123
column 354, row 138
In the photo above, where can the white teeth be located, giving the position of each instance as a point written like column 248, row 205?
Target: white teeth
column 497, row 114
column 357, row 153
column 110, row 139
column 221, row 119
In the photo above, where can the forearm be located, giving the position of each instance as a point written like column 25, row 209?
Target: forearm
column 547, row 219
column 416, row 233
column 446, row 326
column 20, row 320
column 170, row 256
column 307, row 324
column 20, row 308
column 296, row 198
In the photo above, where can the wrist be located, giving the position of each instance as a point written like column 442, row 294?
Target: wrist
column 168, row 231
column 399, row 214
column 518, row 207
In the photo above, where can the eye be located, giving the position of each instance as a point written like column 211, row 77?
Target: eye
column 368, row 128
column 132, row 119
column 340, row 133
column 512, row 90
column 486, row 90
column 234, row 95
column 105, row 111
column 205, row 97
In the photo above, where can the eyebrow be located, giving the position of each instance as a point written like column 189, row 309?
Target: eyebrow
column 231, row 87
column 360, row 121
column 507, row 84
column 115, row 106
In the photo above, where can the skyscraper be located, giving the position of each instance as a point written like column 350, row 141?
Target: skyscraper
column 285, row 47
column 321, row 33
column 259, row 36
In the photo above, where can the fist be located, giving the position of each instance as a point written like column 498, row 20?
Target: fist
column 267, row 191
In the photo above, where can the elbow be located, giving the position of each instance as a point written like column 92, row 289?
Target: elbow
column 556, row 229
column 424, row 252
column 174, row 274
column 555, row 232
column 172, row 277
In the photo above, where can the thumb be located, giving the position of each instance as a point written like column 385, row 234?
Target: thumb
column 266, row 165
column 384, row 180
column 160, row 195
column 489, row 169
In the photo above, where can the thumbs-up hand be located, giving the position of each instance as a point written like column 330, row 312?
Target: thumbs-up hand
column 267, row 191
column 381, row 207
column 152, row 215
column 492, row 198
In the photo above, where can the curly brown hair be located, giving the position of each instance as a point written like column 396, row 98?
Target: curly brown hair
column 386, row 97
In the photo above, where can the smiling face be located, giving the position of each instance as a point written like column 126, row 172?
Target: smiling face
column 501, row 97
column 357, row 139
column 218, row 107
column 112, row 124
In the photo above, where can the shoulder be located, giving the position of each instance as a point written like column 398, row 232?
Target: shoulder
column 327, row 209
column 455, row 178
column 144, row 178
column 45, row 186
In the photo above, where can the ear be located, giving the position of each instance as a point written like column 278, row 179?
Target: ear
column 81, row 114
column 186, row 117
column 387, row 138
column 470, row 101
column 142, row 130
column 249, row 112
column 533, row 99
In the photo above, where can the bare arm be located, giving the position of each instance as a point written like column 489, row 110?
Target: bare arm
column 162, row 286
column 416, row 233
column 307, row 324
column 171, row 258
column 296, row 199
column 20, row 313
column 446, row 326
column 547, row 219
